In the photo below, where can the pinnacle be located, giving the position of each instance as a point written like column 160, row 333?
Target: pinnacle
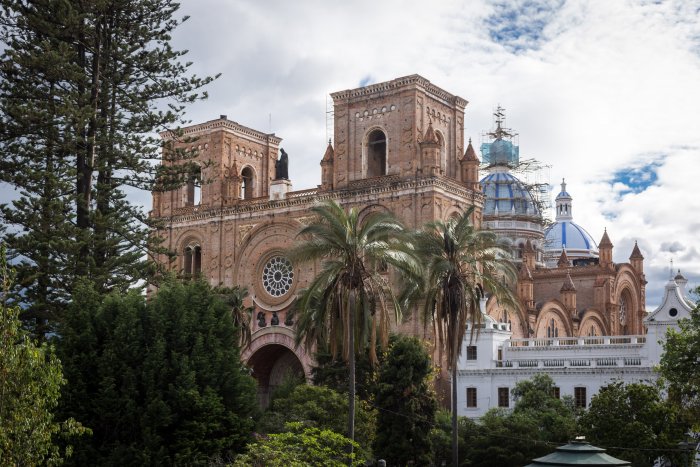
column 636, row 253
column 328, row 156
column 568, row 285
column 605, row 241
column 470, row 154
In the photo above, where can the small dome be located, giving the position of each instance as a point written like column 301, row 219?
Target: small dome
column 506, row 195
column 569, row 236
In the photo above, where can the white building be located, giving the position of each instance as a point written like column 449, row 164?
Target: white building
column 493, row 363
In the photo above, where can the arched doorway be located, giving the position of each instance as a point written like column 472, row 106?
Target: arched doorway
column 271, row 365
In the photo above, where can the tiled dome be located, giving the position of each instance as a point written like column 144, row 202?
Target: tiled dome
column 572, row 237
column 506, row 195
column 567, row 235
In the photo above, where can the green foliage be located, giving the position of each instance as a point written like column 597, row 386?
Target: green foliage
column 30, row 382
column 333, row 373
column 633, row 416
column 441, row 438
column 319, row 407
column 158, row 381
column 300, row 446
column 511, row 438
column 348, row 306
column 353, row 250
column 680, row 366
column 84, row 88
column 462, row 264
column 406, row 404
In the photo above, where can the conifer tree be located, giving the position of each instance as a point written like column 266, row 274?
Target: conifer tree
column 406, row 404
column 84, row 86
column 158, row 382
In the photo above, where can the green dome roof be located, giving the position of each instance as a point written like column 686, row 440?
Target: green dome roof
column 578, row 453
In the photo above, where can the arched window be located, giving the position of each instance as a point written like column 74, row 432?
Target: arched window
column 247, row 184
column 194, row 188
column 193, row 260
column 376, row 154
column 592, row 331
column 552, row 328
column 443, row 152
column 625, row 314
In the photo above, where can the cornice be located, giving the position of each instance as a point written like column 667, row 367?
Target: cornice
column 374, row 187
column 399, row 83
column 221, row 123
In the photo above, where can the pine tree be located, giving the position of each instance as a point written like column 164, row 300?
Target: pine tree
column 83, row 87
column 406, row 404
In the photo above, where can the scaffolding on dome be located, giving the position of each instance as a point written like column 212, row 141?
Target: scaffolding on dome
column 500, row 147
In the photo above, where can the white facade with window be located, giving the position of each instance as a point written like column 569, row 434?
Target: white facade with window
column 579, row 366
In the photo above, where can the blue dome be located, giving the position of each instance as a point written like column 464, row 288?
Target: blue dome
column 573, row 237
column 505, row 194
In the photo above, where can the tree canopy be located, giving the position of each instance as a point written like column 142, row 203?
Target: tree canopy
column 633, row 422
column 84, row 87
column 462, row 265
column 680, row 366
column 30, row 383
column 319, row 407
column 406, row 404
column 349, row 305
column 158, row 381
column 300, row 446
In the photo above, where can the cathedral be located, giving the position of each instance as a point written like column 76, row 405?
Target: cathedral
column 398, row 146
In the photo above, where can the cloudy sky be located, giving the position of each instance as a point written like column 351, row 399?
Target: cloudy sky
column 607, row 93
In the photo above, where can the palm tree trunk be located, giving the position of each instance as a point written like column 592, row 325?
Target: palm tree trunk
column 455, row 444
column 351, row 377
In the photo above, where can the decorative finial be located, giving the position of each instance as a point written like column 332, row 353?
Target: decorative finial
column 670, row 276
column 470, row 140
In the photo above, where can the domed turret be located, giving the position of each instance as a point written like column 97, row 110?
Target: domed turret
column 510, row 210
column 506, row 195
column 567, row 235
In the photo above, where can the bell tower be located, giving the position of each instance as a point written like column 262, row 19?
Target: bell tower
column 379, row 131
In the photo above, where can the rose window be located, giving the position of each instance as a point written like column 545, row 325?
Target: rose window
column 277, row 276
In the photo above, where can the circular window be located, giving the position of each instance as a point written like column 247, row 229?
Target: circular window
column 277, row 276
column 673, row 312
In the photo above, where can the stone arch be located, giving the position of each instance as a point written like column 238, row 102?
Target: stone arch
column 553, row 321
column 374, row 207
column 516, row 318
column 193, row 187
column 628, row 301
column 272, row 357
column 190, row 252
column 375, row 152
column 593, row 324
column 442, row 142
column 263, row 242
column 249, row 183
column 452, row 213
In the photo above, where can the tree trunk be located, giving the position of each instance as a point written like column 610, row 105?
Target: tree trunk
column 455, row 434
column 351, row 377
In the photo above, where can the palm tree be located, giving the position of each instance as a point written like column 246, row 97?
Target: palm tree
column 349, row 304
column 240, row 314
column 463, row 264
